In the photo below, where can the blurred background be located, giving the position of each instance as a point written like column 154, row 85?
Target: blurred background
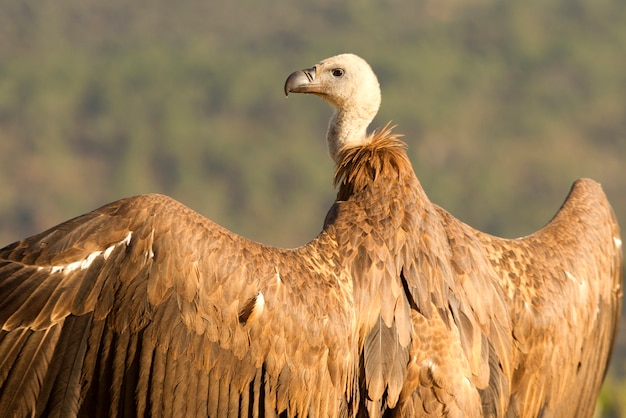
column 503, row 105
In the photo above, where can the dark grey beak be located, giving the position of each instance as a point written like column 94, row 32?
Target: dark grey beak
column 298, row 82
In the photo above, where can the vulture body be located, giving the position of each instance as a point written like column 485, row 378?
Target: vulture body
column 145, row 308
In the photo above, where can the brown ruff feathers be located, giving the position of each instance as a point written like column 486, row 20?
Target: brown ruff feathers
column 384, row 156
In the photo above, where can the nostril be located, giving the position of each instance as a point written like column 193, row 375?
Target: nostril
column 310, row 73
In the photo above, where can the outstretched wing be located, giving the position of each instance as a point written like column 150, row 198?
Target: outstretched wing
column 144, row 307
column 564, row 284
column 523, row 326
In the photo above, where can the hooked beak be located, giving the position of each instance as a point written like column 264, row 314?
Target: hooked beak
column 302, row 81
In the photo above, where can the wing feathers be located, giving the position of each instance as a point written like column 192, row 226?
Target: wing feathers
column 158, row 376
column 62, row 383
column 385, row 363
column 25, row 371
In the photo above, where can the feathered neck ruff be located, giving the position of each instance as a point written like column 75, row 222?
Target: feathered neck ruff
column 383, row 157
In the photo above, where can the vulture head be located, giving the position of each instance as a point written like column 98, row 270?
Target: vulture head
column 348, row 83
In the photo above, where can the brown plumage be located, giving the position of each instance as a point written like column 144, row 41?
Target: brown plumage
column 144, row 307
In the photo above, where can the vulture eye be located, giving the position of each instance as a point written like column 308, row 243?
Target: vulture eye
column 337, row 72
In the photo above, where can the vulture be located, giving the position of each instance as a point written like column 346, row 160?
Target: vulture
column 143, row 307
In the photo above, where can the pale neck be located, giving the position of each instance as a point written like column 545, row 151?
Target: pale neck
column 345, row 130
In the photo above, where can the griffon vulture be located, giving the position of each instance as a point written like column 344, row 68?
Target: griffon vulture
column 145, row 308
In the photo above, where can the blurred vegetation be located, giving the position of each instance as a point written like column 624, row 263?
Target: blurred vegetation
column 503, row 104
